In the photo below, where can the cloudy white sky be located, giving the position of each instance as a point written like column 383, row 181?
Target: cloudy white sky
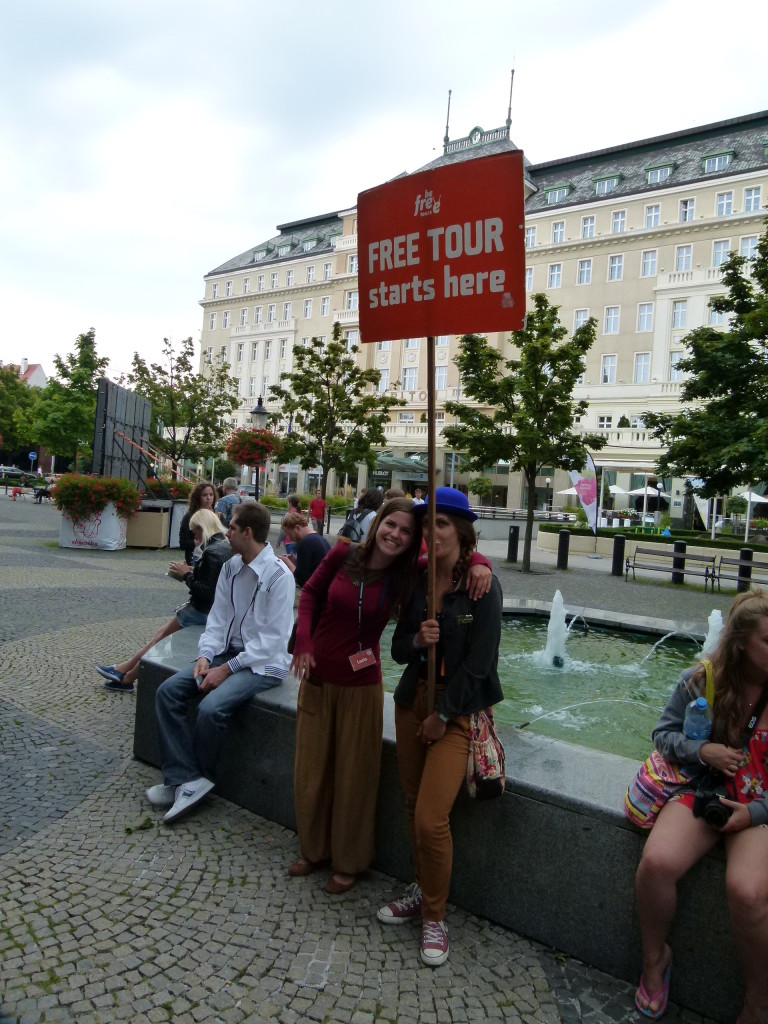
column 143, row 143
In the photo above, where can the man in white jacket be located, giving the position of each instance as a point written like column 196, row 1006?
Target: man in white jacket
column 242, row 651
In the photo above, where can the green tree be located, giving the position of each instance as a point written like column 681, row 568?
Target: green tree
column 525, row 406
column 66, row 407
column 189, row 409
column 721, row 432
column 337, row 415
column 17, row 405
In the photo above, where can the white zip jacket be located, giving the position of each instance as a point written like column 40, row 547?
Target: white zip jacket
column 264, row 619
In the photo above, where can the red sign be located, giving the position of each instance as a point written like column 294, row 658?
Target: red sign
column 442, row 251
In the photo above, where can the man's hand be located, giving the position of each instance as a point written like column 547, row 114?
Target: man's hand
column 213, row 677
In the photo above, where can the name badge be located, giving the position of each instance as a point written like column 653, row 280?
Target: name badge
column 465, row 620
column 362, row 659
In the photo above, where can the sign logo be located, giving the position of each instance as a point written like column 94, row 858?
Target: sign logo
column 426, row 205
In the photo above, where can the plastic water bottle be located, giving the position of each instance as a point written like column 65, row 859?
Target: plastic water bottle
column 698, row 723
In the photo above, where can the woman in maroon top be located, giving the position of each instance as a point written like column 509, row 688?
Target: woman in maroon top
column 343, row 610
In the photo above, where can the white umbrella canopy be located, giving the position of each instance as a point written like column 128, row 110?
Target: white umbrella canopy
column 753, row 498
column 569, row 490
column 615, row 489
column 652, row 492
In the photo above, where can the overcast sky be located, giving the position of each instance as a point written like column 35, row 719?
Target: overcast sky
column 144, row 143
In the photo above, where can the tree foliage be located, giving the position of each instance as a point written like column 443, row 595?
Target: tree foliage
column 336, row 418
column 525, row 407
column 66, row 407
column 17, row 405
column 189, row 409
column 721, row 433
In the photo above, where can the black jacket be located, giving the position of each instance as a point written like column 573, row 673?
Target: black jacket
column 469, row 641
column 204, row 576
column 186, row 537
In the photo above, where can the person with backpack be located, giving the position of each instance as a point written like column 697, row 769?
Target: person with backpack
column 226, row 505
column 359, row 520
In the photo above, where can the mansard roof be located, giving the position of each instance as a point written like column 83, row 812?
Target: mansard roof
column 321, row 229
column 744, row 138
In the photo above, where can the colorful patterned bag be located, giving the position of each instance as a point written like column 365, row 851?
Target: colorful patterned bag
column 485, row 765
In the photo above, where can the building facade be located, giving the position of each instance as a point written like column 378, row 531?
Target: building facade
column 633, row 236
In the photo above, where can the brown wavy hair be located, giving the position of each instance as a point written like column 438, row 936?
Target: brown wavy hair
column 401, row 574
column 731, row 708
column 196, row 496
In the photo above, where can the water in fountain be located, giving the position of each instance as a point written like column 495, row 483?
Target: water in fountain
column 673, row 635
column 572, row 623
column 554, row 652
column 714, row 629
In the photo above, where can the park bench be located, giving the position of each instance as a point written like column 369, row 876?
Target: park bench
column 745, row 570
column 665, row 560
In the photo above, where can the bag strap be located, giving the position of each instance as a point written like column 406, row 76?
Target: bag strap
column 756, row 714
column 709, row 686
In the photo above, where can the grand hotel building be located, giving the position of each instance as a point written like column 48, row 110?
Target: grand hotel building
column 633, row 235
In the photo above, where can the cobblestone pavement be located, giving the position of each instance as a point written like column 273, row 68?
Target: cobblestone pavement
column 108, row 915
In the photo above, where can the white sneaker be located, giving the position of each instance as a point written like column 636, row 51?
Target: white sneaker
column 434, row 943
column 187, row 795
column 161, row 796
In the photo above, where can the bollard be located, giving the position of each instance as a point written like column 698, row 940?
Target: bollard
column 678, row 562
column 514, row 538
column 745, row 570
column 617, row 565
column 562, row 549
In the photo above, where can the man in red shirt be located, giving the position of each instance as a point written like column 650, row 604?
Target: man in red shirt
column 317, row 511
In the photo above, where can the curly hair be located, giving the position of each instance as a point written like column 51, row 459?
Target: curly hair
column 196, row 496
column 731, row 708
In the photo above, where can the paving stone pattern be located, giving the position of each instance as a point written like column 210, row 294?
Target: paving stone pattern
column 106, row 914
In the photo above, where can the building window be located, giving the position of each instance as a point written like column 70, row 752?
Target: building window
column 608, row 369
column 720, row 252
column 675, row 373
column 748, row 248
column 652, row 216
column 556, row 195
column 352, row 264
column 325, row 305
column 327, row 268
column 288, row 278
column 584, row 272
column 246, row 285
column 307, row 308
column 642, row 372
column 683, row 255
column 351, row 300
column 619, row 222
column 322, row 339
column 351, row 338
column 286, row 311
column 412, row 342
column 441, row 378
column 267, row 349
column 588, row 227
column 716, row 162
column 648, row 264
column 260, row 255
column 716, row 318
column 228, row 288
column 441, row 340
column 604, row 422
column 209, row 354
column 655, row 175
column 254, row 350
column 410, row 378
column 679, row 313
column 243, row 317
column 257, row 314
column 724, row 204
column 687, row 210
column 580, row 317
column 405, row 417
column 383, row 346
column 273, row 280
column 212, row 322
column 310, row 243
column 225, row 316
column 751, row 200
column 310, row 274
column 528, row 279
column 645, row 316
column 440, row 419
column 605, row 185
column 240, row 348
column 283, row 347
column 215, row 291
column 252, row 387
column 615, row 268
column 637, row 422
column 611, row 320
column 265, row 384
column 558, row 231
column 260, row 283
column 223, row 354
column 284, row 249
column 383, row 384
column 530, row 238
column 555, row 275
column 271, row 313
column 305, row 342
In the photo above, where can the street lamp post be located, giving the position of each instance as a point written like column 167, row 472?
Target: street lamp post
column 548, row 502
column 259, row 417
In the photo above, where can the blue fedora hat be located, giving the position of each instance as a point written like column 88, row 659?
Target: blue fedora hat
column 451, row 502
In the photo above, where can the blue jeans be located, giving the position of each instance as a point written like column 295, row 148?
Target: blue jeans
column 188, row 752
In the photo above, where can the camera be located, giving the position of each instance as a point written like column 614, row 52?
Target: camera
column 706, row 803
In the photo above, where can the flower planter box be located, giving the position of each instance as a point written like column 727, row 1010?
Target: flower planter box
column 103, row 532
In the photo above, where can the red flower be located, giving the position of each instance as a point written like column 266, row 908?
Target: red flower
column 250, row 447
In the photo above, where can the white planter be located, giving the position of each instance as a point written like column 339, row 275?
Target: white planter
column 103, row 532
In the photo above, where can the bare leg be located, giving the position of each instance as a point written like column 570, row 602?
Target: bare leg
column 677, row 841
column 746, row 882
column 130, row 668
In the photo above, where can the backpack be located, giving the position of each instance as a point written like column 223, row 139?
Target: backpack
column 352, row 530
column 229, row 507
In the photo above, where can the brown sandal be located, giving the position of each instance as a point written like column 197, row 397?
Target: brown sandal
column 301, row 867
column 335, row 886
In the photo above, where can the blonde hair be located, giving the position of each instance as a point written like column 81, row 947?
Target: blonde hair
column 207, row 522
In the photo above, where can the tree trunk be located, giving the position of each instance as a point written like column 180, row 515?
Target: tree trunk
column 530, row 479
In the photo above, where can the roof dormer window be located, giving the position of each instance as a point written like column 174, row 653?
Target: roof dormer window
column 606, row 183
column 556, row 193
column 659, row 173
column 717, row 161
